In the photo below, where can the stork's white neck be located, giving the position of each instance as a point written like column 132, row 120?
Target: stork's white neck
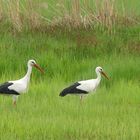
column 98, row 76
column 28, row 74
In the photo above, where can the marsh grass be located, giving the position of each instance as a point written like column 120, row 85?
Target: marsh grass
column 35, row 15
column 111, row 113
column 14, row 15
column 42, row 114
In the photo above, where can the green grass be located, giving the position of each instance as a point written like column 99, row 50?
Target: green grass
column 112, row 113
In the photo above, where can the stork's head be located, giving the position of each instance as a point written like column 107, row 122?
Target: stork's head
column 100, row 70
column 32, row 63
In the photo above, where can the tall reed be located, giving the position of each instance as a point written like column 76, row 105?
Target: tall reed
column 1, row 10
column 63, row 13
column 14, row 14
column 33, row 17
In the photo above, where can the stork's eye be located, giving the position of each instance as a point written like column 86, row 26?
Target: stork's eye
column 32, row 62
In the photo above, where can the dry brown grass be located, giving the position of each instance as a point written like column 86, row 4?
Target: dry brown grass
column 83, row 14
column 86, row 41
column 132, row 47
column 19, row 16
column 1, row 11
column 14, row 14
column 65, row 14
column 33, row 17
column 106, row 12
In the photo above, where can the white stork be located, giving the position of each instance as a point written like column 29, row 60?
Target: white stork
column 17, row 87
column 86, row 86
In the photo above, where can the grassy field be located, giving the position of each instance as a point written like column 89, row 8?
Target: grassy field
column 112, row 113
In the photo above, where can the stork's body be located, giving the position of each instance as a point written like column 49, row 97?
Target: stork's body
column 17, row 87
column 86, row 86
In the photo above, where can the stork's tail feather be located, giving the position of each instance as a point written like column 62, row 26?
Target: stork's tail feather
column 63, row 93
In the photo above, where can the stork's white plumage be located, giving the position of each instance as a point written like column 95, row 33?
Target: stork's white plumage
column 86, row 86
column 17, row 87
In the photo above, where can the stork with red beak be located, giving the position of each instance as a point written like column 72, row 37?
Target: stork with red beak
column 17, row 87
column 86, row 86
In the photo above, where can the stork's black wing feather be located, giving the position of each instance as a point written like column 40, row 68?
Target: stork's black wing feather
column 4, row 89
column 72, row 90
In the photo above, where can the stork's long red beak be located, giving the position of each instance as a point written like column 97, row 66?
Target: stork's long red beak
column 104, row 75
column 39, row 68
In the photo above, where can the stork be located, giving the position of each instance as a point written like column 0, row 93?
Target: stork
column 17, row 87
column 86, row 86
